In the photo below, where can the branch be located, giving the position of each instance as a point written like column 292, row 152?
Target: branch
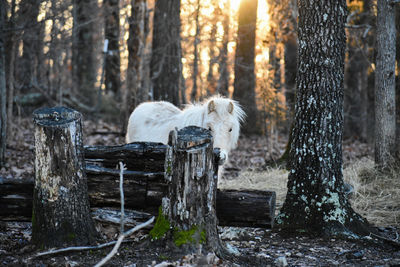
column 123, row 234
column 392, row 242
column 394, row 2
column 119, row 241
column 121, row 190
column 83, row 248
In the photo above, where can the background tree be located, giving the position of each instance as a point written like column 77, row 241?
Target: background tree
column 3, row 96
column 398, row 77
column 385, row 97
column 10, row 54
column 196, row 54
column 315, row 199
column 136, row 89
column 166, row 66
column 83, row 66
column 112, row 65
column 223, row 81
column 356, row 102
column 244, row 83
column 28, row 13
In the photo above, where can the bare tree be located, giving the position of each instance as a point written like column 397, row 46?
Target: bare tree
column 3, row 113
column 196, row 53
column 136, row 90
column 398, row 77
column 223, row 81
column 385, row 104
column 83, row 67
column 166, row 66
column 10, row 54
column 315, row 199
column 211, row 83
column 28, row 13
column 112, row 65
column 244, row 82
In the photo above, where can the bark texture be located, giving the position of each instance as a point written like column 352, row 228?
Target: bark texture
column 166, row 66
column 223, row 81
column 315, row 200
column 112, row 69
column 136, row 91
column 245, row 82
column 61, row 213
column 3, row 96
column 385, row 97
column 83, row 61
column 190, row 205
column 28, row 13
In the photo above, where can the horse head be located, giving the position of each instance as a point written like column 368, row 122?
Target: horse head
column 223, row 118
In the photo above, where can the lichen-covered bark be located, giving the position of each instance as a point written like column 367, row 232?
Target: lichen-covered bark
column 61, row 213
column 315, row 199
column 385, row 97
column 191, row 202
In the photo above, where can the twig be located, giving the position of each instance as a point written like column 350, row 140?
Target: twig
column 83, row 248
column 123, row 234
column 119, row 241
column 392, row 242
column 121, row 190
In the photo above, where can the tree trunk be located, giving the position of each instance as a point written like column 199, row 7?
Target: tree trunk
column 28, row 13
column 61, row 213
column 315, row 199
column 10, row 53
column 136, row 92
column 398, row 77
column 83, row 67
column 385, row 97
column 111, row 33
column 290, row 75
column 3, row 95
column 211, row 86
column 166, row 66
column 223, row 81
column 244, row 65
column 190, row 205
column 196, row 55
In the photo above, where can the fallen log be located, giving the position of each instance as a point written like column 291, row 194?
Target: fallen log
column 250, row 208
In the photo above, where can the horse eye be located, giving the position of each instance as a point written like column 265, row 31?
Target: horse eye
column 209, row 128
column 230, row 130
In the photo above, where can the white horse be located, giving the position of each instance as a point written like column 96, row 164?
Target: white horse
column 153, row 121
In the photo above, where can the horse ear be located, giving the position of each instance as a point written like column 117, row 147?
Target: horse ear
column 230, row 107
column 211, row 106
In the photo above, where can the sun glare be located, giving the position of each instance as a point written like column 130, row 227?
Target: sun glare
column 235, row 5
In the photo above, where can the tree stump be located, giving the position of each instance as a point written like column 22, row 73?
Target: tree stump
column 188, row 212
column 61, row 213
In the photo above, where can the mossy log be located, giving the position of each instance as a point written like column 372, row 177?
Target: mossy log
column 61, row 213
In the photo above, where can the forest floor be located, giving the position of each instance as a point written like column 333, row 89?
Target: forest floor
column 249, row 167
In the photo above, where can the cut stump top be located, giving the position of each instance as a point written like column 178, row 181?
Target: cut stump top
column 55, row 117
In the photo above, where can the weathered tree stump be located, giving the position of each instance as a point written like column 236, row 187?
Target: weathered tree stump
column 61, row 213
column 188, row 214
